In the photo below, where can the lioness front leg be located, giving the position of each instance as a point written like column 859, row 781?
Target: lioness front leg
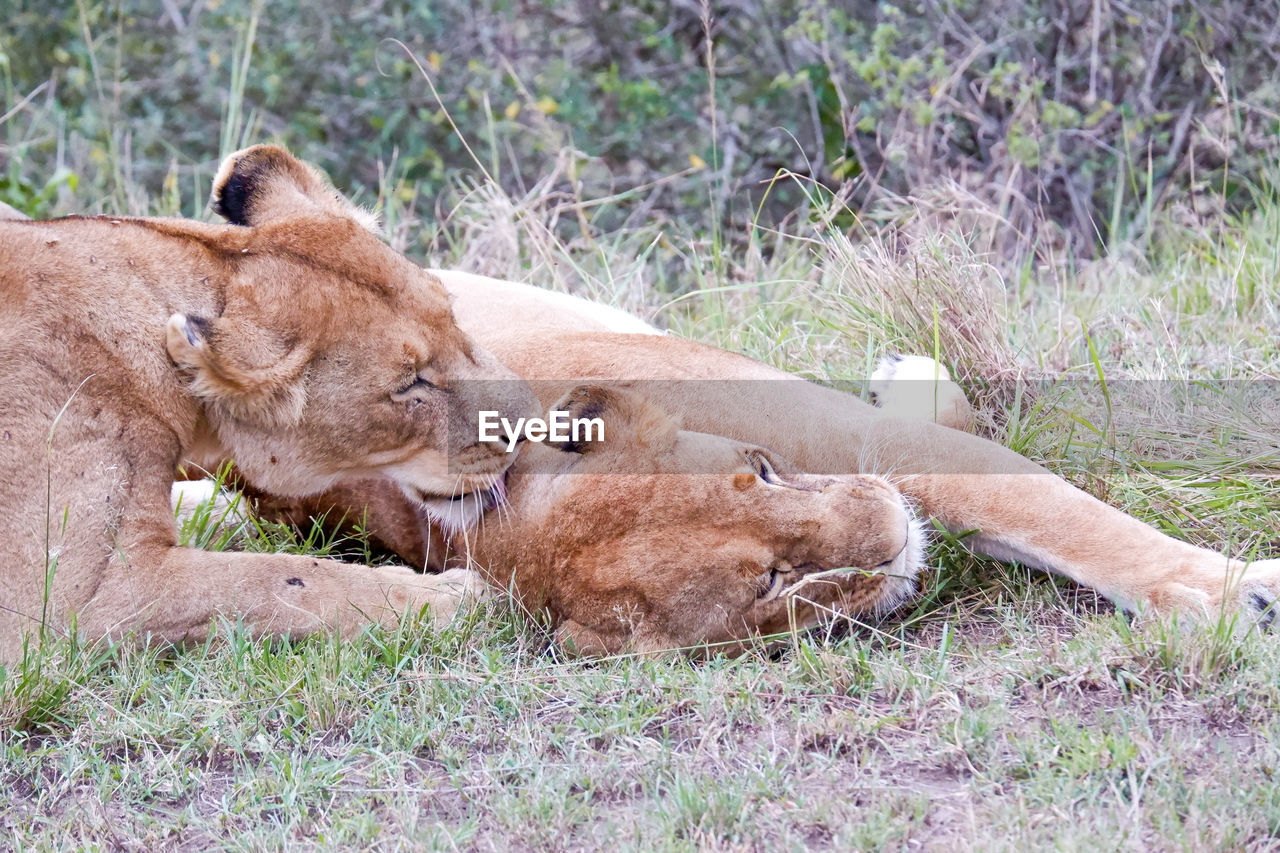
column 1018, row 510
column 177, row 594
column 1044, row 522
column 1015, row 509
column 1180, row 578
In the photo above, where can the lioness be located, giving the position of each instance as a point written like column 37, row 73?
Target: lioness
column 292, row 339
column 626, row 554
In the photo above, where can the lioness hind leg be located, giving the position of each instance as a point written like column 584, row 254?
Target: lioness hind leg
column 919, row 388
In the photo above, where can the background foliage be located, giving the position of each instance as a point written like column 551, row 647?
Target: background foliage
column 1045, row 126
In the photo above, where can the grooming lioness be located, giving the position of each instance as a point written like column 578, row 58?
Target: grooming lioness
column 292, row 339
column 658, row 538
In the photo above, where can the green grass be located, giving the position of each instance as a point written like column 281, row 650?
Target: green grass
column 996, row 722
column 1001, row 710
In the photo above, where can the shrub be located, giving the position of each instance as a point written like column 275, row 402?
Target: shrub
column 1062, row 124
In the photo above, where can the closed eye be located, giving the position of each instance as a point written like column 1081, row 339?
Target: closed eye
column 420, row 382
column 764, row 469
column 415, row 390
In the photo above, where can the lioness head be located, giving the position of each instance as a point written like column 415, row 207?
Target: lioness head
column 325, row 356
column 657, row 538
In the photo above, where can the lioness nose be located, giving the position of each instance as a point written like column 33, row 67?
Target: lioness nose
column 505, row 392
column 485, row 388
column 519, row 402
column 902, row 544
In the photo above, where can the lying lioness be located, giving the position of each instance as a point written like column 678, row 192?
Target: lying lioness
column 657, row 538
column 292, row 339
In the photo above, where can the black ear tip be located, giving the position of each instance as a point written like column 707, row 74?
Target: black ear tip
column 588, row 400
column 242, row 177
column 584, row 403
column 231, row 200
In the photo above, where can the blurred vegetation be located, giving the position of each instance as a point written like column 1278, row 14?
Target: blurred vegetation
column 1047, row 128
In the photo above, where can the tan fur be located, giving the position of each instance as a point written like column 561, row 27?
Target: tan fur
column 287, row 340
column 660, row 541
column 659, row 538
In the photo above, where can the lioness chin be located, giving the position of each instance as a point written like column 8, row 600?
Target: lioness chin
column 291, row 339
column 626, row 554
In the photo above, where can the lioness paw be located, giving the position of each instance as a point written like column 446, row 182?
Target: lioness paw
column 918, row 388
column 1257, row 593
column 7, row 212
column 454, row 592
column 1251, row 595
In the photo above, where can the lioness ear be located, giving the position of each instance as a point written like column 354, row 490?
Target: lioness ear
column 625, row 418
column 240, row 371
column 265, row 183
